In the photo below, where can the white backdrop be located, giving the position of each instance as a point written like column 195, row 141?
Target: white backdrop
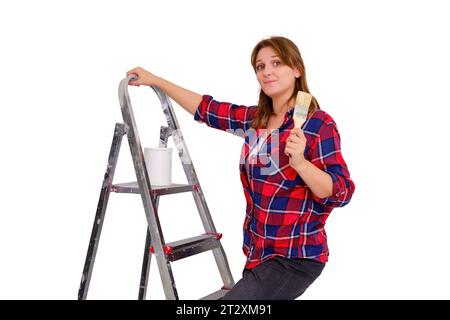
column 379, row 68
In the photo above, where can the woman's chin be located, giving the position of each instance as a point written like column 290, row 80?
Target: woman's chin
column 271, row 93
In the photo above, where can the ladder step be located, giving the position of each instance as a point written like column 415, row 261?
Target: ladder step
column 216, row 295
column 133, row 187
column 188, row 247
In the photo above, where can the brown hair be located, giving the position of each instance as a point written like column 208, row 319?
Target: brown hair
column 289, row 55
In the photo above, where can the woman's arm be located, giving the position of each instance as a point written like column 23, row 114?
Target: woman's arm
column 185, row 98
column 327, row 157
column 325, row 173
column 220, row 115
column 320, row 182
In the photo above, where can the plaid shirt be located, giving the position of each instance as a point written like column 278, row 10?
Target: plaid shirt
column 283, row 216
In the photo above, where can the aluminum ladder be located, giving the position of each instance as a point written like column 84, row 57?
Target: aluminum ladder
column 165, row 253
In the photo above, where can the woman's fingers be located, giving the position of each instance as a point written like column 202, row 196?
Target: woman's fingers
column 144, row 77
column 294, row 139
column 290, row 148
column 296, row 136
column 134, row 83
column 138, row 72
column 133, row 74
column 288, row 151
column 133, row 71
column 297, row 132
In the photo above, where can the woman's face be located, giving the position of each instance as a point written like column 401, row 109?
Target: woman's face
column 275, row 78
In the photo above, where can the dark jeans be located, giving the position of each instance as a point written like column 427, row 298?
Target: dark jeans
column 276, row 279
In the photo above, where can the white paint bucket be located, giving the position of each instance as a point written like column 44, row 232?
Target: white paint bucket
column 159, row 165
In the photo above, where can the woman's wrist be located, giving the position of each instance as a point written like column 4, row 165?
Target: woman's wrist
column 301, row 166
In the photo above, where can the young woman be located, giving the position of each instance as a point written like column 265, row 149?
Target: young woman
column 292, row 179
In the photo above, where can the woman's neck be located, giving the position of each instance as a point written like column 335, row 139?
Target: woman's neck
column 280, row 108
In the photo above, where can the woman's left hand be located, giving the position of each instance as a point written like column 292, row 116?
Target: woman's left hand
column 295, row 147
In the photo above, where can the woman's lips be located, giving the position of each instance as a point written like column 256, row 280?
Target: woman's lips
column 269, row 81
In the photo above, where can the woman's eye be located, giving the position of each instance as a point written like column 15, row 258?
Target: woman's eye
column 260, row 67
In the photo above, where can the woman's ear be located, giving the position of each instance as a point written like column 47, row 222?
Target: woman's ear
column 297, row 73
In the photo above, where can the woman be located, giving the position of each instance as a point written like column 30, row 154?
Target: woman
column 291, row 180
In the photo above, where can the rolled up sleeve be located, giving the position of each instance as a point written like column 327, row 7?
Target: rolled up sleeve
column 225, row 116
column 327, row 156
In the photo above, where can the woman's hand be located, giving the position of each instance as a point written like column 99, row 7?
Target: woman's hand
column 145, row 77
column 295, row 148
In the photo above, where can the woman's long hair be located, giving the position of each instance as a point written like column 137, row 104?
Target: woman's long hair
column 289, row 55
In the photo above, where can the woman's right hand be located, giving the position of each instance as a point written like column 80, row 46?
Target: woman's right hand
column 145, row 77
column 187, row 99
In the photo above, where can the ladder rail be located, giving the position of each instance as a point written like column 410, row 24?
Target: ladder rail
column 146, row 261
column 119, row 131
column 143, row 180
column 163, row 139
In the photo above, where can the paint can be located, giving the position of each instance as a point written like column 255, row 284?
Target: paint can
column 159, row 165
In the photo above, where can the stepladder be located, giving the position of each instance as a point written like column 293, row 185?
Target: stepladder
column 165, row 253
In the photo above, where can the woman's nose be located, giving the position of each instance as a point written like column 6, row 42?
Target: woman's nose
column 267, row 71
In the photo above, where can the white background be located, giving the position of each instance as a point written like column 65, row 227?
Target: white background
column 379, row 68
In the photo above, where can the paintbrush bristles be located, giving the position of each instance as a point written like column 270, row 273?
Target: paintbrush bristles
column 301, row 108
column 303, row 99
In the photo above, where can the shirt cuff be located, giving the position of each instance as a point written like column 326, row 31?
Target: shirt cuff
column 200, row 113
column 337, row 192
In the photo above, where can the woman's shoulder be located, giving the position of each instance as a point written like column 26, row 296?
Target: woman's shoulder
column 322, row 115
column 319, row 119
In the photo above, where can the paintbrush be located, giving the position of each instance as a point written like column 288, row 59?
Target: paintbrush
column 301, row 108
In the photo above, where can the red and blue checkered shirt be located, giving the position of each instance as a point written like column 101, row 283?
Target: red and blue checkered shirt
column 283, row 216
